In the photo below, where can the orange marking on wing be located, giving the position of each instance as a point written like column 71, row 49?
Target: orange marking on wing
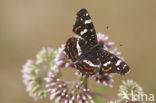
column 71, row 55
column 86, row 67
column 86, row 72
column 107, row 70
column 68, row 44
column 73, row 48
column 91, row 70
column 80, row 67
column 76, row 28
column 94, row 70
column 69, row 50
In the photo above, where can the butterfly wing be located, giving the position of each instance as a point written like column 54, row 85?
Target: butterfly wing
column 75, row 47
column 84, row 27
column 76, row 50
column 89, row 65
column 112, row 64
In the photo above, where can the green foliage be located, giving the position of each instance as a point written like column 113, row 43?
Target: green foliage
column 96, row 99
column 102, row 88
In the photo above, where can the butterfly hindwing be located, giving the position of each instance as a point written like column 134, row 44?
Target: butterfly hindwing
column 89, row 65
column 112, row 64
column 84, row 27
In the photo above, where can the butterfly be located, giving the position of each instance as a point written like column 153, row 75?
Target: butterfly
column 85, row 52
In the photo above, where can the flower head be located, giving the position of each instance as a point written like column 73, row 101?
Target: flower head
column 129, row 91
column 62, row 91
column 32, row 80
column 34, row 72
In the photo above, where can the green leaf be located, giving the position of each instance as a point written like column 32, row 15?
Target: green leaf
column 95, row 98
column 101, row 89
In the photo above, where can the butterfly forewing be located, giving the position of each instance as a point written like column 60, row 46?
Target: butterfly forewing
column 111, row 63
column 75, row 47
column 84, row 27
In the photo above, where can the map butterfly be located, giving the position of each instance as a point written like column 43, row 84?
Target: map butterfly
column 85, row 52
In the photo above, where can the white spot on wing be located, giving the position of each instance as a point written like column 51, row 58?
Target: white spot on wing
column 88, row 21
column 111, row 57
column 78, row 47
column 118, row 63
column 109, row 62
column 124, row 66
column 87, row 14
column 90, row 63
column 118, row 68
column 84, row 31
column 91, row 31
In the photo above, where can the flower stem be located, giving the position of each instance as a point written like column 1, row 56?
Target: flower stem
column 86, row 82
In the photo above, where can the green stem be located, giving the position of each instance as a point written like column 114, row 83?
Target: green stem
column 86, row 82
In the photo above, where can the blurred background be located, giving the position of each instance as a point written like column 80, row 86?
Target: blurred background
column 26, row 26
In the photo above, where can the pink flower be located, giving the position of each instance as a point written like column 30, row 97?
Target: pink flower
column 66, row 92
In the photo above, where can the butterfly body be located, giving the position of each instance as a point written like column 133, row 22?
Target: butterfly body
column 88, row 56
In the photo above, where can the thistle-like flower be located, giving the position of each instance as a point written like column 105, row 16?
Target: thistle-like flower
column 62, row 91
column 33, row 81
column 34, row 72
column 130, row 92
